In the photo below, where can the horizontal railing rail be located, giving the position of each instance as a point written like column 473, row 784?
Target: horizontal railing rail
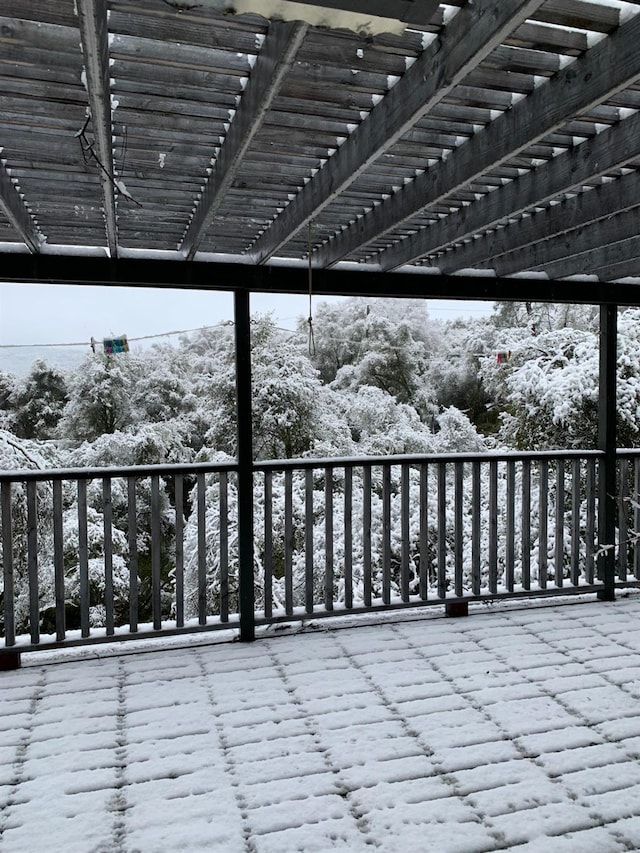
column 96, row 554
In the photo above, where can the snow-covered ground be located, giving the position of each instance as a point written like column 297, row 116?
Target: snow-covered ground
column 517, row 728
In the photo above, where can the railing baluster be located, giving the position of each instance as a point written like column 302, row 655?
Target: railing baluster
column 178, row 485
column 590, row 530
column 575, row 522
column 623, row 515
column 510, row 525
column 404, row 513
column 526, row 524
column 424, row 531
column 636, row 518
column 475, row 527
column 202, row 550
column 559, row 532
column 442, row 529
column 308, row 540
column 543, row 523
column 386, row 534
column 58, row 560
column 32, row 561
column 7, row 566
column 268, row 544
column 328, row 538
column 156, row 604
column 493, row 526
column 132, row 521
column 83, row 559
column 459, row 540
column 107, row 510
column 348, row 537
column 224, row 546
column 288, row 542
column 366, row 534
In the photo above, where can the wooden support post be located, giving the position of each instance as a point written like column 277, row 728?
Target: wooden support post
column 9, row 660
column 607, row 442
column 245, row 464
column 456, row 608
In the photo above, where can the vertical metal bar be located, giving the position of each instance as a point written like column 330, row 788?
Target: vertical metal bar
column 442, row 529
column 58, row 560
column 308, row 540
column 607, row 444
column 268, row 544
column 179, row 575
column 636, row 518
column 288, row 542
column 543, row 521
column 83, row 559
column 132, row 522
column 575, row 522
column 590, row 530
column 511, row 525
column 107, row 510
column 559, row 532
column 223, row 485
column 458, row 533
column 155, row 553
column 623, row 523
column 366, row 534
column 386, row 534
column 245, row 465
column 526, row 524
column 32, row 561
column 424, row 531
column 493, row 525
column 404, row 520
column 328, row 539
column 202, row 550
column 348, row 537
column 7, row 566
column 475, row 527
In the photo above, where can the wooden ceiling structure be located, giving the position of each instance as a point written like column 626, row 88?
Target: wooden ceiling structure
column 489, row 148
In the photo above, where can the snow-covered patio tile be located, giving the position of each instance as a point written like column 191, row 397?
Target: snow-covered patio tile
column 427, row 735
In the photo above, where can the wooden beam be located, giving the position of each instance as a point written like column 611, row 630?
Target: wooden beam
column 589, row 207
column 605, row 152
column 472, row 34
column 216, row 276
column 561, row 253
column 14, row 208
column 606, row 68
column 94, row 36
column 274, row 60
column 603, row 257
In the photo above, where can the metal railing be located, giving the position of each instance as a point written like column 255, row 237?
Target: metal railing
column 91, row 555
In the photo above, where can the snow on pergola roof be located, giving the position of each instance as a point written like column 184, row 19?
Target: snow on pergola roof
column 501, row 135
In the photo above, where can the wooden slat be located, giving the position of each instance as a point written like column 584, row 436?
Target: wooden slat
column 348, row 537
column 386, row 534
column 366, row 534
column 268, row 544
column 328, row 538
column 442, row 529
column 472, row 34
column 458, row 528
column 288, row 542
column 83, row 560
column 493, row 526
column 476, row 579
column 424, row 531
column 526, row 524
column 559, row 525
column 575, row 521
column 202, row 548
column 14, row 208
column 543, row 521
column 7, row 566
column 132, row 522
column 308, row 541
column 58, row 560
column 223, row 485
column 156, row 556
column 32, row 562
column 404, row 524
column 510, row 524
column 590, row 530
column 107, row 510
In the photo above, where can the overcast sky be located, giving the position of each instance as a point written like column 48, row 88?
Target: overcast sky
column 59, row 314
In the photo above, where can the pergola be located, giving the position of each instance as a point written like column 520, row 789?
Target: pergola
column 467, row 150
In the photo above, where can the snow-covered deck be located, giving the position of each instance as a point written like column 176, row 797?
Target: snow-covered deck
column 517, row 728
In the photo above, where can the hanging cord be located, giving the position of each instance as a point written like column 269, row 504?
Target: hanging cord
column 89, row 154
column 312, row 342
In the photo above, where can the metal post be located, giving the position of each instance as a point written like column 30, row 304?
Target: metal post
column 245, row 465
column 607, row 443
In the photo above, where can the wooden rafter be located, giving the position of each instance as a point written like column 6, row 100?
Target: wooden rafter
column 474, row 32
column 605, row 69
column 94, row 36
column 604, row 153
column 274, row 60
column 416, row 12
column 16, row 211
column 589, row 207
